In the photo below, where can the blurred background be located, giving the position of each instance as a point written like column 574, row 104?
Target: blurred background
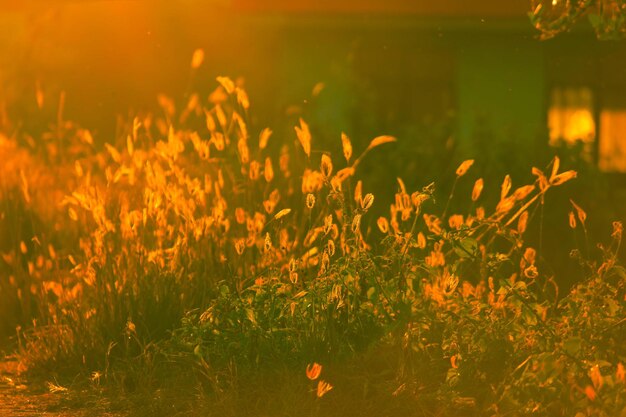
column 450, row 79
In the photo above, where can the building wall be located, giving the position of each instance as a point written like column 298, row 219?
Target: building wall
column 501, row 79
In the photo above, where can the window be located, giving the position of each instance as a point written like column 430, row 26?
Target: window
column 588, row 102
column 571, row 119
column 612, row 144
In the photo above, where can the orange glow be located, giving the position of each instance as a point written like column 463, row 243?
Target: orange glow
column 440, row 7
column 612, row 146
column 570, row 117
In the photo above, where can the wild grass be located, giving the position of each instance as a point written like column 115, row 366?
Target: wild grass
column 198, row 251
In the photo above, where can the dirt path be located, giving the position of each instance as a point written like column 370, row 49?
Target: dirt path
column 22, row 398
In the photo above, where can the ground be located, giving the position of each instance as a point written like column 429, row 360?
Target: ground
column 20, row 397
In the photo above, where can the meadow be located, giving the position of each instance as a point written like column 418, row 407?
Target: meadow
column 199, row 264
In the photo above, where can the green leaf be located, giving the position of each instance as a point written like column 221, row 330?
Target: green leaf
column 519, row 285
column 250, row 315
column 572, row 345
column 224, row 291
column 612, row 307
column 620, row 271
column 595, row 20
column 529, row 317
column 466, row 248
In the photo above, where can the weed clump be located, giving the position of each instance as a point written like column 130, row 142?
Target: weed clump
column 195, row 242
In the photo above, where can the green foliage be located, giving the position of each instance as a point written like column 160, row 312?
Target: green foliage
column 552, row 17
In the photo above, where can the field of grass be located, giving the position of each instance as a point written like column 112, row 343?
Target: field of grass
column 200, row 265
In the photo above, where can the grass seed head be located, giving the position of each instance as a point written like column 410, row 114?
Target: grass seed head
column 346, row 146
column 506, row 187
column 563, row 178
column 582, row 216
column 197, row 58
column 268, row 242
column 227, row 83
column 367, row 201
column 268, row 172
column 323, row 387
column 313, row 371
column 478, row 189
column 464, row 167
column 264, row 137
column 282, row 213
column 572, row 220
column 356, row 223
column 522, row 222
column 326, row 166
column 304, row 136
column 310, row 201
column 383, row 224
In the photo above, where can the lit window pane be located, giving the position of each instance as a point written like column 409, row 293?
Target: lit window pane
column 612, row 146
column 570, row 117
